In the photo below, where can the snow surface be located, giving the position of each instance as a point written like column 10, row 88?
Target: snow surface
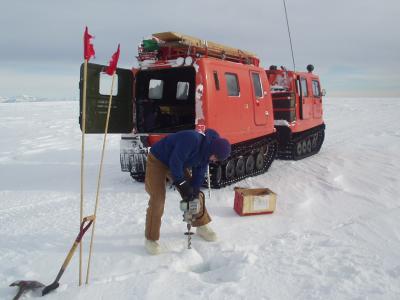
column 335, row 233
column 26, row 98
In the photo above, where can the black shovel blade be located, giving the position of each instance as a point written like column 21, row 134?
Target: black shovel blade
column 25, row 285
column 50, row 287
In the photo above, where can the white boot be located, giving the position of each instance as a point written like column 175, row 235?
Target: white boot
column 152, row 247
column 206, row 233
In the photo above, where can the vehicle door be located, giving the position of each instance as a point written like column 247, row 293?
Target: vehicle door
column 306, row 99
column 260, row 109
column 97, row 100
column 317, row 99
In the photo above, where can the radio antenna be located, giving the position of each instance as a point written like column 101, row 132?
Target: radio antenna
column 290, row 38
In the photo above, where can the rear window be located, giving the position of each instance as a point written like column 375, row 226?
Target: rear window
column 258, row 91
column 156, row 87
column 182, row 90
column 303, row 85
column 232, row 84
column 316, row 89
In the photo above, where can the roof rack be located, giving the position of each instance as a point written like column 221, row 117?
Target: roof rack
column 171, row 45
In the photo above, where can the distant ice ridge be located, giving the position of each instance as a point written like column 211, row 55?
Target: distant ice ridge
column 29, row 98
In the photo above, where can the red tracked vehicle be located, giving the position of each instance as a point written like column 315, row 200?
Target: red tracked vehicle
column 187, row 83
column 297, row 102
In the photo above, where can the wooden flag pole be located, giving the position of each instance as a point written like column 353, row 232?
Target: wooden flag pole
column 99, row 178
column 82, row 160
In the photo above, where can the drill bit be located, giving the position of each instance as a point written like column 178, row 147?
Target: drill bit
column 189, row 234
column 188, row 219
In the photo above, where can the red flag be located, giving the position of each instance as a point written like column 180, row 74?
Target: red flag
column 113, row 63
column 88, row 49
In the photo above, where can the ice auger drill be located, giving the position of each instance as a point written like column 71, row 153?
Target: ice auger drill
column 190, row 209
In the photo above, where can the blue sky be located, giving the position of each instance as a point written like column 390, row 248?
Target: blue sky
column 354, row 44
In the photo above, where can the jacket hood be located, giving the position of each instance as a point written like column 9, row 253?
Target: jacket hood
column 210, row 134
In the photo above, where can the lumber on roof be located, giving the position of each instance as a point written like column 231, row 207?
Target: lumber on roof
column 190, row 41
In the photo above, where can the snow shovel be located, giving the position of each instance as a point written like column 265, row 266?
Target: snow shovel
column 78, row 239
column 24, row 286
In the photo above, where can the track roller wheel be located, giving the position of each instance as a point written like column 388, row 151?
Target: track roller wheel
column 304, row 147
column 240, row 167
column 299, row 149
column 230, row 169
column 309, row 147
column 314, row 141
column 259, row 161
column 250, row 162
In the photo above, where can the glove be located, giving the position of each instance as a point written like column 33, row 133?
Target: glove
column 185, row 189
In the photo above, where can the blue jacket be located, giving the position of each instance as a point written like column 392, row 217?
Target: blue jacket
column 186, row 149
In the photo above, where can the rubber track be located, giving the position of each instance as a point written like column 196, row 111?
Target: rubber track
column 289, row 151
column 243, row 150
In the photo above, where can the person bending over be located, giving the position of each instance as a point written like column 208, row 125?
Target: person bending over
column 171, row 157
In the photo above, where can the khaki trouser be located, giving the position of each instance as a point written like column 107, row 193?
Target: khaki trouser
column 155, row 182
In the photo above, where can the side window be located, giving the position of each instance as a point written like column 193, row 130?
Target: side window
column 216, row 80
column 303, row 84
column 297, row 86
column 258, row 90
column 105, row 84
column 156, row 89
column 316, row 89
column 232, row 84
column 182, row 90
